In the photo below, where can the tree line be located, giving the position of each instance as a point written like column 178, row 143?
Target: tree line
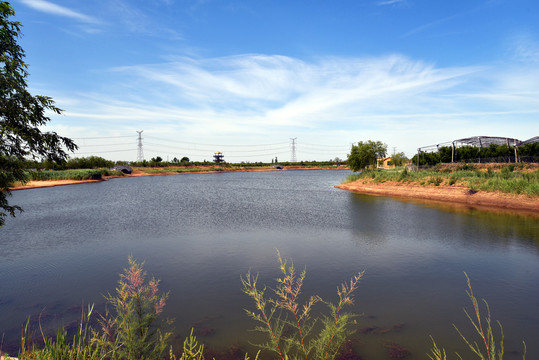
column 491, row 153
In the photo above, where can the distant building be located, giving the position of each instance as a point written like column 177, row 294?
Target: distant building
column 384, row 163
column 218, row 157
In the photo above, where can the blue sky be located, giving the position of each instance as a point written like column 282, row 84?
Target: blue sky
column 244, row 77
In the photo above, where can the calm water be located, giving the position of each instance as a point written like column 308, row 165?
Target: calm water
column 198, row 233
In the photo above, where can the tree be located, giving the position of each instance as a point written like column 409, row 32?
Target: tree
column 156, row 159
column 398, row 159
column 185, row 159
column 21, row 116
column 366, row 153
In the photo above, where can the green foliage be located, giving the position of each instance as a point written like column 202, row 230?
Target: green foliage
column 403, row 175
column 366, row 154
column 191, row 349
column 82, row 174
column 437, row 180
column 501, row 153
column 21, row 115
column 289, row 326
column 398, row 159
column 507, row 180
column 59, row 348
column 90, row 162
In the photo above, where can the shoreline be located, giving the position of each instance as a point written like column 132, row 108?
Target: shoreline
column 37, row 184
column 454, row 196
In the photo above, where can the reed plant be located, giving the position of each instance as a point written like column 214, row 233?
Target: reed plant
column 291, row 330
column 131, row 332
column 59, row 348
column 486, row 347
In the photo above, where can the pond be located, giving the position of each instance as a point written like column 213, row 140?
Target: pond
column 199, row 233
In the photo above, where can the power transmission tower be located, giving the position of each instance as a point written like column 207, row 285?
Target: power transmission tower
column 293, row 150
column 140, row 153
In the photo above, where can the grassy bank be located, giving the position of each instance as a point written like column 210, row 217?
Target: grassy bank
column 79, row 174
column 180, row 170
column 511, row 179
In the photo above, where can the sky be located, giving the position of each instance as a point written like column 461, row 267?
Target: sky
column 245, row 77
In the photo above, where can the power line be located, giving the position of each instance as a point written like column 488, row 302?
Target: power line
column 207, row 149
column 94, row 145
column 104, row 152
column 102, row 137
column 217, row 145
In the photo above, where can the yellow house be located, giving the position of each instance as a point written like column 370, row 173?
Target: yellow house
column 384, row 163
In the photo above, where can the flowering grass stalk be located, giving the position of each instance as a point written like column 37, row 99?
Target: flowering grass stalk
column 137, row 306
column 486, row 348
column 291, row 330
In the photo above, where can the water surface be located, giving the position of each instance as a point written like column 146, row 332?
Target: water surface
column 199, row 233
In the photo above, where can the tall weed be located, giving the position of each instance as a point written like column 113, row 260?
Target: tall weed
column 486, row 347
column 291, row 330
column 134, row 331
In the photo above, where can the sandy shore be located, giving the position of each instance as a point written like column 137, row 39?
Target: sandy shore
column 448, row 195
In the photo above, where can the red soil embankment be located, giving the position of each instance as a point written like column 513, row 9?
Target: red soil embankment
column 447, row 194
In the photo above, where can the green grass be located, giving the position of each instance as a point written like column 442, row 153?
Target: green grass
column 180, row 170
column 79, row 174
column 509, row 179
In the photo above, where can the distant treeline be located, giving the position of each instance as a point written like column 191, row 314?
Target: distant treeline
column 492, row 153
column 96, row 162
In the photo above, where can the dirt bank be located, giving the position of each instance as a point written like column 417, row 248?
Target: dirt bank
column 448, row 194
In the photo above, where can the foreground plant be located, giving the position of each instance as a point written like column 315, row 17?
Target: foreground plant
column 80, row 347
column 487, row 348
column 291, row 330
column 134, row 332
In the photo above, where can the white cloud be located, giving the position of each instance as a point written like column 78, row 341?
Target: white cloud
column 51, row 8
column 403, row 102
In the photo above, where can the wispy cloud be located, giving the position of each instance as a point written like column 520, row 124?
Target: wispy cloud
column 399, row 100
column 429, row 25
column 390, row 2
column 52, row 8
column 525, row 48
